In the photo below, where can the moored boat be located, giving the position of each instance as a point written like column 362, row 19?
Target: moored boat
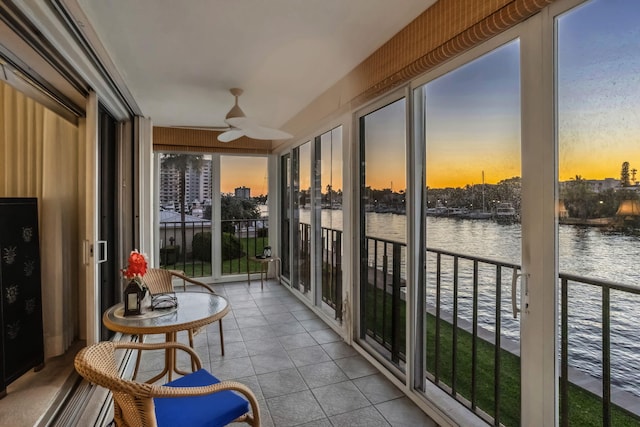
column 506, row 213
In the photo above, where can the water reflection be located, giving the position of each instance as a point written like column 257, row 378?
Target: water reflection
column 584, row 251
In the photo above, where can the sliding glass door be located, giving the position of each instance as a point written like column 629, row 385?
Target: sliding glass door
column 383, row 230
column 598, row 128
column 473, row 233
column 301, row 220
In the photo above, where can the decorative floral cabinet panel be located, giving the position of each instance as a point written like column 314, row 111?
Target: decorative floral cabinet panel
column 21, row 346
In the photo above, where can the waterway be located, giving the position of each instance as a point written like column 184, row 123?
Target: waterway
column 584, row 251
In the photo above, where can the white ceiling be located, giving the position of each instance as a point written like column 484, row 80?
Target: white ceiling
column 179, row 58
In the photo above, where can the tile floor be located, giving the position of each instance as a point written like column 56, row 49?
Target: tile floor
column 299, row 369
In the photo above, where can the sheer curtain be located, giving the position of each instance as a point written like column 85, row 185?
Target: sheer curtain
column 39, row 158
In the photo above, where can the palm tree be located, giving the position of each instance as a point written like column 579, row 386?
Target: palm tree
column 624, row 175
column 182, row 163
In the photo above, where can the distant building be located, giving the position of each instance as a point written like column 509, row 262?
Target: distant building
column 243, row 192
column 197, row 185
column 600, row 185
column 596, row 185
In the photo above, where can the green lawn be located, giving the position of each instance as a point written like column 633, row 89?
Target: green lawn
column 250, row 247
column 197, row 268
column 585, row 408
column 192, row 269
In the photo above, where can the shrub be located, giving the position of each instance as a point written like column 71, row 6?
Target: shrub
column 202, row 246
column 231, row 247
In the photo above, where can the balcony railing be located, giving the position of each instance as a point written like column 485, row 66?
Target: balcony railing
column 187, row 246
column 332, row 269
column 331, row 265
column 242, row 239
column 302, row 258
column 472, row 340
column 383, row 317
column 176, row 247
column 610, row 412
column 461, row 355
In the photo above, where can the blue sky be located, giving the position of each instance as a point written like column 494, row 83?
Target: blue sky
column 473, row 112
column 599, row 88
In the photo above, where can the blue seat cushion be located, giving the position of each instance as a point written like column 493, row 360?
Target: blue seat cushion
column 213, row 410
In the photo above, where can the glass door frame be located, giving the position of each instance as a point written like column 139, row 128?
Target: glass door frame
column 538, row 342
column 360, row 268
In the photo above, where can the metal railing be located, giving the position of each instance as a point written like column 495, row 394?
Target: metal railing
column 382, row 317
column 605, row 287
column 332, row 269
column 462, row 288
column 478, row 273
column 242, row 239
column 187, row 246
column 302, row 258
column 330, row 265
column 176, row 246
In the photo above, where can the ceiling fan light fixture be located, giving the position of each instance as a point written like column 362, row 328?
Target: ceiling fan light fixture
column 242, row 126
column 235, row 112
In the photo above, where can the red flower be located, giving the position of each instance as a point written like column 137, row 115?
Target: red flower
column 137, row 265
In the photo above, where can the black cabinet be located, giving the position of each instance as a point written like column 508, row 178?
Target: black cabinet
column 22, row 343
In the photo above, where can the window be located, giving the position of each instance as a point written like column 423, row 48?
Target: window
column 383, row 231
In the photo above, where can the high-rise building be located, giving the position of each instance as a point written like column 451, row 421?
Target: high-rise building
column 197, row 184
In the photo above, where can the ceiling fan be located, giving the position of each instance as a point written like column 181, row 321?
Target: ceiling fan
column 240, row 125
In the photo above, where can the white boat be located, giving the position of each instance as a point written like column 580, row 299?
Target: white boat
column 506, row 213
column 478, row 214
column 439, row 210
column 458, row 212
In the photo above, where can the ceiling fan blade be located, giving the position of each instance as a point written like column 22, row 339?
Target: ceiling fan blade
column 241, row 125
column 239, row 122
column 256, row 131
column 261, row 132
column 231, row 135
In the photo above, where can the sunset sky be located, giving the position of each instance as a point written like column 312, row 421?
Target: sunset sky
column 473, row 112
column 599, row 89
column 473, row 121
column 248, row 171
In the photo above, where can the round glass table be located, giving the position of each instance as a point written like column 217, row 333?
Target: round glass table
column 194, row 310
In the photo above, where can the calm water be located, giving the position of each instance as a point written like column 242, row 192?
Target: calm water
column 584, row 251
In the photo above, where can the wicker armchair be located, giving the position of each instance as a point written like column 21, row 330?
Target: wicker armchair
column 197, row 399
column 160, row 281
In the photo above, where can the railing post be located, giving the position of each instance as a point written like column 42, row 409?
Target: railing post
column 474, row 343
column 564, row 353
column 395, row 304
column 338, row 255
column 454, row 339
column 436, row 370
column 385, row 272
column 606, row 358
column 497, row 348
column 245, row 224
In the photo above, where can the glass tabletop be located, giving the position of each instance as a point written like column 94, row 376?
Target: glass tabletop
column 195, row 309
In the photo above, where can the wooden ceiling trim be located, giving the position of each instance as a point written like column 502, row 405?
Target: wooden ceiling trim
column 204, row 141
column 445, row 30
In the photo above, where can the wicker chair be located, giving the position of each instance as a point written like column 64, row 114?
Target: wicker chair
column 197, row 399
column 160, row 281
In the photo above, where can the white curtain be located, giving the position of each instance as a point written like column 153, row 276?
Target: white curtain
column 39, row 158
